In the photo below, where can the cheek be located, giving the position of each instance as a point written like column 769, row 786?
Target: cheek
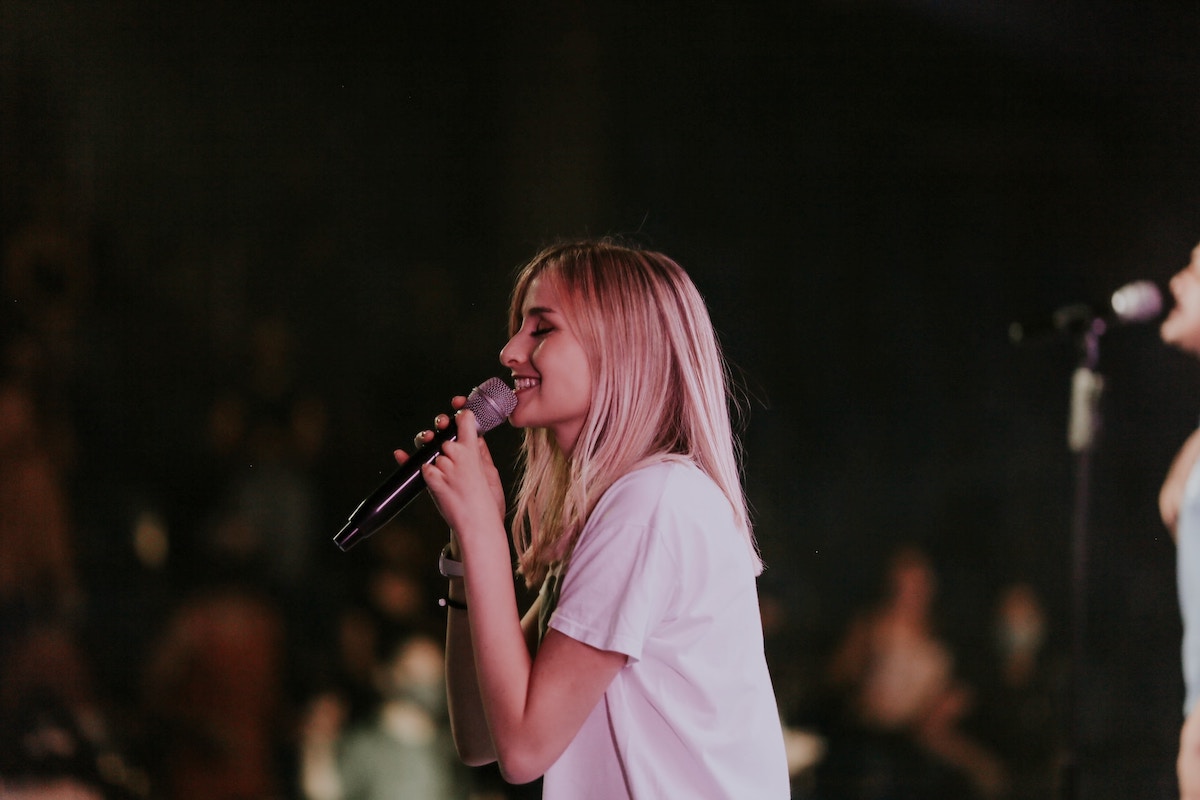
column 582, row 382
column 1187, row 312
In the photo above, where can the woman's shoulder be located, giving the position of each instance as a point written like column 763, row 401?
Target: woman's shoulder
column 668, row 482
column 665, row 473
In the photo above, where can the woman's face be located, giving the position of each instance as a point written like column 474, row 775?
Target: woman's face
column 1181, row 328
column 549, row 368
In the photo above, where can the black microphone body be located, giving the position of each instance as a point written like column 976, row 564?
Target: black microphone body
column 394, row 494
column 491, row 402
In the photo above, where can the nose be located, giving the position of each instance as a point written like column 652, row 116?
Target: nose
column 510, row 354
column 1176, row 279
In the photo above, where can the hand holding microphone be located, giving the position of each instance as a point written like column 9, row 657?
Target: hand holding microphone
column 490, row 403
column 462, row 479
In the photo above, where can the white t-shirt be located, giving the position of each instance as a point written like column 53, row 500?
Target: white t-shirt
column 662, row 574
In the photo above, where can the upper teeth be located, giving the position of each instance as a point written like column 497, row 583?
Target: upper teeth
column 524, row 383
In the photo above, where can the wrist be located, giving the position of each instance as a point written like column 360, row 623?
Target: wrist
column 450, row 602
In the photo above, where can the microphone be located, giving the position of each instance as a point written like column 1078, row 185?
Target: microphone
column 1139, row 301
column 491, row 402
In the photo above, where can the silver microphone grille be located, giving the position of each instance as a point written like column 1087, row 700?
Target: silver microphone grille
column 491, row 402
column 1139, row 301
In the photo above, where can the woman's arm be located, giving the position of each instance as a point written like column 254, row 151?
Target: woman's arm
column 1187, row 764
column 468, row 725
column 467, row 722
column 1170, row 498
column 533, row 706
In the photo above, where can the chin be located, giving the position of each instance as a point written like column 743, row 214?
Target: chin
column 519, row 420
column 1172, row 332
column 1187, row 342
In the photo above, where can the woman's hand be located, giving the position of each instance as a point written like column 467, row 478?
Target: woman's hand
column 463, row 474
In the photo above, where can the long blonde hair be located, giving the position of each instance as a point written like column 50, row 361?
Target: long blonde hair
column 660, row 389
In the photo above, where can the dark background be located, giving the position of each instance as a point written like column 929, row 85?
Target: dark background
column 866, row 192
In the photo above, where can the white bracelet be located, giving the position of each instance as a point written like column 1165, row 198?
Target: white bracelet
column 448, row 566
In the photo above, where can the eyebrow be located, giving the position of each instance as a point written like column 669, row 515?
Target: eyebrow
column 539, row 310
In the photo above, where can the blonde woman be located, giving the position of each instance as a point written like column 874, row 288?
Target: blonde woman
column 639, row 670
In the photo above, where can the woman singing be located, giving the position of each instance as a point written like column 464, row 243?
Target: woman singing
column 639, row 670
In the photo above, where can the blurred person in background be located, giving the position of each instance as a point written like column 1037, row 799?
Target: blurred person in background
column 901, row 702
column 214, row 690
column 58, row 733
column 1018, row 709
column 37, row 553
column 403, row 748
column 266, row 431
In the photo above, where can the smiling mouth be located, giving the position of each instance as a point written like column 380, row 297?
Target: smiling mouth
column 520, row 384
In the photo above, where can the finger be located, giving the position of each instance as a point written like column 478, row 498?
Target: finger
column 468, row 432
column 418, row 441
column 485, row 455
column 442, row 421
column 432, row 475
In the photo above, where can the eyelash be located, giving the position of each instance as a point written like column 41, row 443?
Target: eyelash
column 539, row 332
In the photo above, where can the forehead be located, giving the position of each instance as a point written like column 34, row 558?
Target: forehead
column 541, row 296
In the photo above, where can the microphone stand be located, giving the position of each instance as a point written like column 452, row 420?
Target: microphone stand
column 1087, row 386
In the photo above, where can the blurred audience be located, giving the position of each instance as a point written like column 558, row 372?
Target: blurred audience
column 1018, row 710
column 57, row 737
column 265, row 432
column 899, row 732
column 402, row 748
column 254, row 673
column 37, row 571
column 215, row 701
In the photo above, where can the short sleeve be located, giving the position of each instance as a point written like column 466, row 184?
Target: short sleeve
column 616, row 588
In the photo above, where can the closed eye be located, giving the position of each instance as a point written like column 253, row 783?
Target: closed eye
column 541, row 331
